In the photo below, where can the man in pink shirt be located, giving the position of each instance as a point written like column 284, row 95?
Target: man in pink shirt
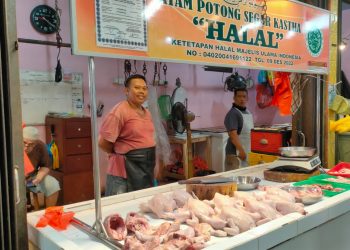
column 127, row 135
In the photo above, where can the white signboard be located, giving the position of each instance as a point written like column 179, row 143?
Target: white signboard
column 121, row 24
column 40, row 95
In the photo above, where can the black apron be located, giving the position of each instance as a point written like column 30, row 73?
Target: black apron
column 139, row 166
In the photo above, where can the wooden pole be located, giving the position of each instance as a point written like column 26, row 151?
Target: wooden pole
column 189, row 150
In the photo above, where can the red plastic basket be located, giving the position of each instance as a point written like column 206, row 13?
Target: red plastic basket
column 335, row 170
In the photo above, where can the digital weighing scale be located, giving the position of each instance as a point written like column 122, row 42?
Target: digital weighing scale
column 295, row 164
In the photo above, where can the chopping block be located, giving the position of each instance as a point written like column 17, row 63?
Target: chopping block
column 282, row 176
column 207, row 191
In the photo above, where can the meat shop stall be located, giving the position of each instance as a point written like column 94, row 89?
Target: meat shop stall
column 284, row 36
column 323, row 226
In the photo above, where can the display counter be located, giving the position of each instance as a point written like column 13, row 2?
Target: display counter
column 325, row 226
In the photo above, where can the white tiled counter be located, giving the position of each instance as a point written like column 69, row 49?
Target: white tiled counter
column 326, row 225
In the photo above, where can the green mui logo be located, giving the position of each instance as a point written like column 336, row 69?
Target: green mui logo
column 314, row 42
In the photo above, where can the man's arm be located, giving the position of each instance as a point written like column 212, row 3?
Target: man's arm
column 235, row 141
column 105, row 145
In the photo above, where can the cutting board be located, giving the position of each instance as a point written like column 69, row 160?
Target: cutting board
column 279, row 176
column 207, row 191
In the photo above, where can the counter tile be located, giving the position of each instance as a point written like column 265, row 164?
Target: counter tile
column 241, row 241
column 276, row 231
column 340, row 208
column 315, row 217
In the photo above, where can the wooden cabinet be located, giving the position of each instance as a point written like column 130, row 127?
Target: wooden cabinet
column 269, row 141
column 182, row 140
column 73, row 139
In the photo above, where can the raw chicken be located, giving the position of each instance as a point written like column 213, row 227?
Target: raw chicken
column 306, row 192
column 254, row 215
column 221, row 200
column 279, row 192
column 287, row 207
column 205, row 230
column 205, row 213
column 159, row 205
column 145, row 208
column 115, row 227
column 189, row 232
column 283, row 206
column 243, row 221
column 210, row 203
column 132, row 243
column 158, row 233
column 181, row 242
column 240, row 195
column 264, row 210
column 136, row 222
column 231, row 231
column 180, row 215
column 215, row 221
column 166, row 228
column 199, row 207
column 181, row 197
column 192, row 221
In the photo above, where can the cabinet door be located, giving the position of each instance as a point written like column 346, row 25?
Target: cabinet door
column 77, row 163
column 77, row 187
column 343, row 149
column 77, row 146
column 76, row 129
column 265, row 142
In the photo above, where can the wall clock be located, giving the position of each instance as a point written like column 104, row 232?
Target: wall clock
column 45, row 19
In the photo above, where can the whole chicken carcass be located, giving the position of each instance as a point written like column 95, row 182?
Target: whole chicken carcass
column 198, row 207
column 282, row 205
column 266, row 211
column 181, row 197
column 159, row 205
column 205, row 213
column 115, row 227
column 221, row 200
column 284, row 195
column 242, row 220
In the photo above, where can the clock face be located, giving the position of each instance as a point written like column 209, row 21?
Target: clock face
column 45, row 19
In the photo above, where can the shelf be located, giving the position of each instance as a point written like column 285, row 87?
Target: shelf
column 173, row 175
column 182, row 140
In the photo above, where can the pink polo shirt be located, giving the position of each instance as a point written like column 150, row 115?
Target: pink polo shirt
column 127, row 130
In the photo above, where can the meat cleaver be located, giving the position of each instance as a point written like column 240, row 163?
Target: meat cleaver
column 210, row 180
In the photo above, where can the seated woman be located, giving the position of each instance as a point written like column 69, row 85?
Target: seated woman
column 39, row 181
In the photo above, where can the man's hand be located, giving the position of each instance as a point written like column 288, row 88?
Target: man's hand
column 106, row 146
column 235, row 141
column 242, row 155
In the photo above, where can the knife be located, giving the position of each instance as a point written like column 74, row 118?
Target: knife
column 206, row 180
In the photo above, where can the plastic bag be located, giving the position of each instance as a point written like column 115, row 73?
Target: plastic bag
column 264, row 91
column 332, row 92
column 340, row 126
column 264, row 95
column 282, row 93
column 54, row 152
column 162, row 142
column 56, row 218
